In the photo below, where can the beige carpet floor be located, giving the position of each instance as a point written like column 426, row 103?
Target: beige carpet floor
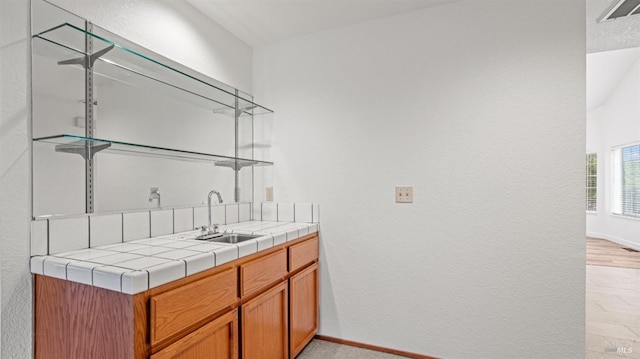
column 322, row 349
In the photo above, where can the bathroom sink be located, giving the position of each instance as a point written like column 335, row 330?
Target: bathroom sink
column 229, row 238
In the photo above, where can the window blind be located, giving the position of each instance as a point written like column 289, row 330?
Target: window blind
column 591, row 182
column 626, row 181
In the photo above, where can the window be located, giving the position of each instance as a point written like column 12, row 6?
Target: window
column 592, row 182
column 626, row 181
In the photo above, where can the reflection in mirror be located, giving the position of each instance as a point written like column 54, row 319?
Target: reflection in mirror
column 172, row 110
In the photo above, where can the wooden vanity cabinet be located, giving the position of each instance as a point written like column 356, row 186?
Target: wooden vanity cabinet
column 264, row 306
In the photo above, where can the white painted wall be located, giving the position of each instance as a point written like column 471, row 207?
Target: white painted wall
column 480, row 105
column 172, row 29
column 613, row 124
column 15, row 299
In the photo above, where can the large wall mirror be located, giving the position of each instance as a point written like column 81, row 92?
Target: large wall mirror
column 164, row 125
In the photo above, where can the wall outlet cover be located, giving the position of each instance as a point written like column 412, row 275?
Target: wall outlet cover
column 404, row 194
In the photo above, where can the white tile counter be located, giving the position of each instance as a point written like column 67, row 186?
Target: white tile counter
column 138, row 265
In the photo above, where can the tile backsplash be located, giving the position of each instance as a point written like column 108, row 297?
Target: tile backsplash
column 39, row 238
column 162, row 222
column 68, row 234
column 136, row 225
column 105, row 229
column 55, row 235
column 286, row 212
column 269, row 211
column 183, row 219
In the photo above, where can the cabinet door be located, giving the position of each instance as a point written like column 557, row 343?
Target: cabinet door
column 216, row 340
column 303, row 308
column 265, row 325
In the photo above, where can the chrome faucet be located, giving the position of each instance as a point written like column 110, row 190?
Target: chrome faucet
column 155, row 194
column 213, row 228
column 210, row 231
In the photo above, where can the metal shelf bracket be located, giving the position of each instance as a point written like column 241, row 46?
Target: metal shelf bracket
column 86, row 61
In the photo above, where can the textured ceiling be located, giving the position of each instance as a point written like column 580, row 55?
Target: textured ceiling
column 615, row 34
column 612, row 48
column 263, row 22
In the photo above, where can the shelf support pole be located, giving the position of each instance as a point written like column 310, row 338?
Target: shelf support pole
column 89, row 124
column 236, row 168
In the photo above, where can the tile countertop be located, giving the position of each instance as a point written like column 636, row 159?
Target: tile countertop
column 135, row 266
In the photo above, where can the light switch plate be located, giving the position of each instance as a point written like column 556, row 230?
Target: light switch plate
column 404, row 194
column 269, row 194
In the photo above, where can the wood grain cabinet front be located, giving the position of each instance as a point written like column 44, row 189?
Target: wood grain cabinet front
column 303, row 253
column 262, row 272
column 303, row 308
column 216, row 340
column 178, row 309
column 264, row 325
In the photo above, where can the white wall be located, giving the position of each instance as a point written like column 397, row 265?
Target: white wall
column 480, row 105
column 15, row 299
column 192, row 40
column 613, row 124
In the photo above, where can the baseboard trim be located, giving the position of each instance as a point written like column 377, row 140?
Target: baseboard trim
column 374, row 347
column 620, row 241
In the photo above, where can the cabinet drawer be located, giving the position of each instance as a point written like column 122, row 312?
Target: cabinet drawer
column 261, row 272
column 303, row 253
column 177, row 309
column 218, row 339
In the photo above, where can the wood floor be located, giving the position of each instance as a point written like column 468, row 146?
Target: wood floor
column 612, row 301
column 601, row 252
column 612, row 312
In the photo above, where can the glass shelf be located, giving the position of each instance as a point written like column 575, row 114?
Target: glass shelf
column 127, row 63
column 87, row 147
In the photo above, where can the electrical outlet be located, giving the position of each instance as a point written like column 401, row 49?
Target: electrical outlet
column 79, row 122
column 404, row 194
column 269, row 194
